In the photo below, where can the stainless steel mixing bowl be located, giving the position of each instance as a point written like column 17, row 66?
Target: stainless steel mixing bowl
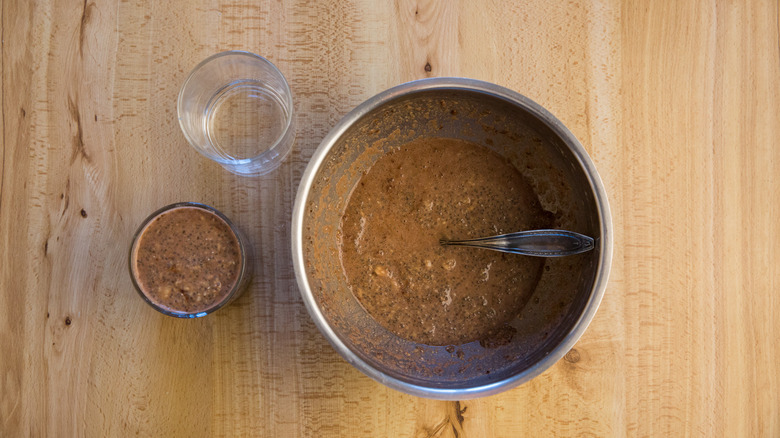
column 541, row 148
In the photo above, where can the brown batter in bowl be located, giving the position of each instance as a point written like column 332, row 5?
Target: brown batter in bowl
column 430, row 189
column 542, row 321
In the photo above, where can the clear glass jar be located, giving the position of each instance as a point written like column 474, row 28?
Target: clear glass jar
column 236, row 108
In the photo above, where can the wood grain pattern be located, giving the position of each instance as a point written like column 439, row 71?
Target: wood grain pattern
column 678, row 103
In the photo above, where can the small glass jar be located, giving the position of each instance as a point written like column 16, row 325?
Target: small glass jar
column 236, row 108
column 187, row 263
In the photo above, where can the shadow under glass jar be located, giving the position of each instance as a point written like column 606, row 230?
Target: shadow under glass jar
column 188, row 260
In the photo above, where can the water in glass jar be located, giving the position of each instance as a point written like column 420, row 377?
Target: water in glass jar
column 244, row 119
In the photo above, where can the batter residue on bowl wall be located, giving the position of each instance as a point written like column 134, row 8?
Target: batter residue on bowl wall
column 410, row 198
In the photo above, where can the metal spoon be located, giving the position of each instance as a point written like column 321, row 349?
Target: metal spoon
column 539, row 243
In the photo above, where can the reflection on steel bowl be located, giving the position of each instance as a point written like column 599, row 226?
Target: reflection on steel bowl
column 545, row 154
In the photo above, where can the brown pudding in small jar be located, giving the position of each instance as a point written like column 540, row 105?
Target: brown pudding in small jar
column 187, row 260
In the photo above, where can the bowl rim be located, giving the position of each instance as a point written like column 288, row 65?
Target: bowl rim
column 604, row 243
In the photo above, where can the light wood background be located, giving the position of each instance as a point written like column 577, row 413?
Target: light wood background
column 678, row 103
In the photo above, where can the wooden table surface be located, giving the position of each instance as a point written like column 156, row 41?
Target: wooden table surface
column 678, row 103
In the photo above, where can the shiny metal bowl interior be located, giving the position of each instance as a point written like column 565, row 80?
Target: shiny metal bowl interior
column 541, row 148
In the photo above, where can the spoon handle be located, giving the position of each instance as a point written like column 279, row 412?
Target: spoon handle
column 539, row 243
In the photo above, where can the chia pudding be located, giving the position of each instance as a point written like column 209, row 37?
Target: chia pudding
column 187, row 260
